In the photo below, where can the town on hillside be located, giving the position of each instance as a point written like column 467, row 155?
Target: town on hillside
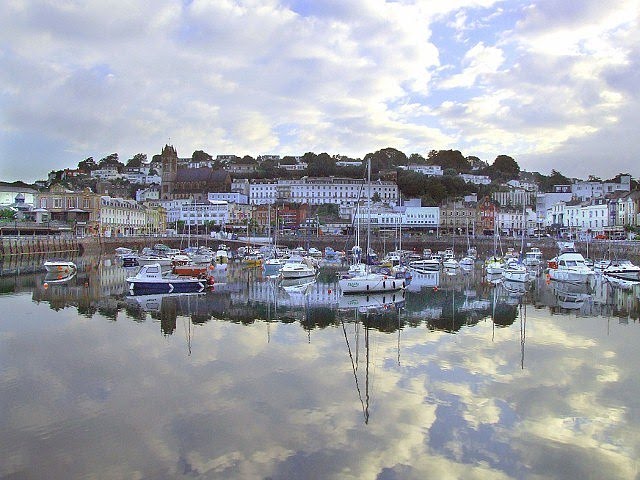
column 444, row 193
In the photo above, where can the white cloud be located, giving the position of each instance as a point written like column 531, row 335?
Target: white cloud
column 349, row 77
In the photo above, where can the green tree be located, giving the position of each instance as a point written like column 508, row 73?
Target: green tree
column 450, row 159
column 375, row 198
column 417, row 159
column 87, row 165
column 507, row 167
column 7, row 214
column 321, row 165
column 201, row 156
column 137, row 160
column 111, row 159
column 328, row 211
column 386, row 159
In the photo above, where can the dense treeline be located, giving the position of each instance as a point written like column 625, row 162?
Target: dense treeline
column 387, row 163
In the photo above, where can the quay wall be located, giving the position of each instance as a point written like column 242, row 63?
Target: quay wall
column 38, row 245
column 61, row 245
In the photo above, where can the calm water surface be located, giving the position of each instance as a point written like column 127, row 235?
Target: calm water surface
column 457, row 378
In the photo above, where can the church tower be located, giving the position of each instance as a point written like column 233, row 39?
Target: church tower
column 169, row 171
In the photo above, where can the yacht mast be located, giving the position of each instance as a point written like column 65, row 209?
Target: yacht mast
column 368, row 213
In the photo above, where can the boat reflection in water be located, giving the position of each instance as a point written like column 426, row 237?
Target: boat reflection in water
column 154, row 303
column 375, row 311
column 61, row 277
column 442, row 302
column 570, row 296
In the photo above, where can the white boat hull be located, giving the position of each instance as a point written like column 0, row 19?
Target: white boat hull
column 162, row 261
column 292, row 274
column 515, row 275
column 570, row 276
column 370, row 283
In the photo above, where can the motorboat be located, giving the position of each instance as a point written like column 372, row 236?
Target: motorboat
column 494, row 266
column 193, row 269
column 425, row 264
column 200, row 254
column 221, row 257
column 370, row 282
column 151, row 279
column 571, row 266
column 60, row 266
column 153, row 258
column 124, row 251
column 601, row 265
column 298, row 267
column 514, row 271
column 622, row 269
column 332, row 256
column 533, row 257
column 272, row 266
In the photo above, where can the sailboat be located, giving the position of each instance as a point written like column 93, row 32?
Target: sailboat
column 514, row 270
column 274, row 264
column 366, row 281
column 494, row 264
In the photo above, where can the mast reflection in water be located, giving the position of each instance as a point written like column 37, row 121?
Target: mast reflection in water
column 259, row 378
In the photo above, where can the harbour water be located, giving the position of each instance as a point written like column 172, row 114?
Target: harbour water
column 457, row 377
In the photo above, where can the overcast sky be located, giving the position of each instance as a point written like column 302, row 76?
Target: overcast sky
column 554, row 84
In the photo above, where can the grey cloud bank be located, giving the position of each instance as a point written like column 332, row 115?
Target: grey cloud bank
column 550, row 84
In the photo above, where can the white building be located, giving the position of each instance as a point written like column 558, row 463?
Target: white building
column 8, row 193
column 581, row 218
column 120, row 216
column 594, row 216
column 594, row 189
column 429, row 170
column 318, row 191
column 147, row 194
column 545, row 203
column 512, row 222
column 348, row 163
column 229, row 197
column 194, row 214
column 108, row 172
column 514, row 197
column 391, row 218
column 475, row 179
column 142, row 178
